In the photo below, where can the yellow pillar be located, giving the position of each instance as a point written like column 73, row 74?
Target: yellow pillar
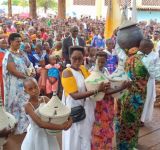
column 99, row 4
column 113, row 19
column 68, row 4
column 139, row 3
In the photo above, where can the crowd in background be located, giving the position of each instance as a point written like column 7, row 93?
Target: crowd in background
column 40, row 48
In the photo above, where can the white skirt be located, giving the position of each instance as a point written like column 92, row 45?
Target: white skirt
column 38, row 139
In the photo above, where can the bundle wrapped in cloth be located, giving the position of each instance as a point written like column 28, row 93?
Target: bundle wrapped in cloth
column 54, row 112
column 7, row 121
column 31, row 70
column 117, row 78
column 93, row 82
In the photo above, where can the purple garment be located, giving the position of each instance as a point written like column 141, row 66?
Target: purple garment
column 111, row 63
column 98, row 42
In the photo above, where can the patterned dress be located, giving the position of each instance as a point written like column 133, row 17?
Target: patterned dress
column 132, row 103
column 14, row 95
column 111, row 61
column 103, row 127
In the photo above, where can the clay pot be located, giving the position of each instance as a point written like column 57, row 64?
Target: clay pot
column 129, row 35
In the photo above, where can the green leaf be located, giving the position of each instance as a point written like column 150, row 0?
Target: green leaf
column 47, row 4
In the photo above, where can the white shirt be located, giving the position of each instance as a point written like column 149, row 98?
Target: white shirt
column 75, row 41
column 152, row 63
column 158, row 47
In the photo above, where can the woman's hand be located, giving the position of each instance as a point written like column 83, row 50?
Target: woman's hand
column 33, row 73
column 126, row 84
column 67, row 124
column 5, row 132
column 104, row 86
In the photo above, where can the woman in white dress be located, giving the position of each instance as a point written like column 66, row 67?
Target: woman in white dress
column 78, row 137
column 37, row 138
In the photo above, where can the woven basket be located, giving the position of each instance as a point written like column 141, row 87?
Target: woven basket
column 54, row 112
column 7, row 121
column 117, row 78
column 93, row 82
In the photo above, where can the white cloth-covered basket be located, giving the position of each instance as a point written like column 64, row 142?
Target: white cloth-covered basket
column 7, row 121
column 54, row 112
column 93, row 82
column 117, row 78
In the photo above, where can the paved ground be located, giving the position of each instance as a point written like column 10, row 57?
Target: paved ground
column 149, row 138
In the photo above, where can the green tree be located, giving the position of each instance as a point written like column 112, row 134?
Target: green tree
column 14, row 2
column 17, row 2
column 47, row 4
column 23, row 3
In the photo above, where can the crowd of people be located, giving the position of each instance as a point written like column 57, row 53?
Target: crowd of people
column 39, row 58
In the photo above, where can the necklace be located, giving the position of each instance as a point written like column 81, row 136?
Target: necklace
column 15, row 52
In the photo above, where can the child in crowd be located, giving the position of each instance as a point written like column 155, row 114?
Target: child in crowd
column 29, row 53
column 53, row 76
column 50, row 39
column 46, row 48
column 39, row 55
column 58, row 37
column 38, row 39
column 42, row 73
column 57, row 50
column 37, row 138
column 90, row 60
column 44, row 35
column 33, row 41
column 112, row 58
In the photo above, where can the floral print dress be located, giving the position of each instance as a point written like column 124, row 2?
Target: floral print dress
column 132, row 103
column 14, row 94
column 103, row 127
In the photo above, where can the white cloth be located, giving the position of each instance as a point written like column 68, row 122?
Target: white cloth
column 78, row 137
column 158, row 47
column 150, row 62
column 149, row 103
column 85, row 25
column 38, row 139
column 122, row 57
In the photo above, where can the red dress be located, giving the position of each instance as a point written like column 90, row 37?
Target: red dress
column 1, row 76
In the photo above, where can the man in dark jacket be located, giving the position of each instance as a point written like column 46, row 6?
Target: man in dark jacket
column 72, row 40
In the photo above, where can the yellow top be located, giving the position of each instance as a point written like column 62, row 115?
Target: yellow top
column 69, row 84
